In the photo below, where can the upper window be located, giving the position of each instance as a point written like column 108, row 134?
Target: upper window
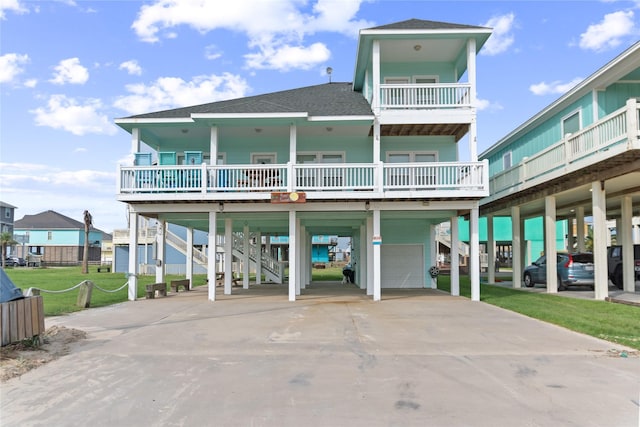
column 571, row 123
column 320, row 158
column 506, row 160
column 49, row 235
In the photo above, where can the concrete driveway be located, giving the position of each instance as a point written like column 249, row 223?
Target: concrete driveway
column 332, row 358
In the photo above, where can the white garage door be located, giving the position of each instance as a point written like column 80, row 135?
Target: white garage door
column 402, row 266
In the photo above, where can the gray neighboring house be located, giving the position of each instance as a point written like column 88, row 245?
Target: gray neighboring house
column 7, row 214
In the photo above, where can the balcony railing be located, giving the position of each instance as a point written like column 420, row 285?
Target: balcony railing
column 425, row 96
column 340, row 180
column 601, row 140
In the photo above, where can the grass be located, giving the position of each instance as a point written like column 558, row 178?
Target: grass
column 617, row 323
column 61, row 278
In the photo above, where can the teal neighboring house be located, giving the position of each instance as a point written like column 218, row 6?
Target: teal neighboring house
column 577, row 158
column 374, row 160
column 57, row 239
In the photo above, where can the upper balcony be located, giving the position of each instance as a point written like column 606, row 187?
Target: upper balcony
column 609, row 144
column 347, row 181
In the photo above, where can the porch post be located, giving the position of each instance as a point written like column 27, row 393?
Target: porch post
column 135, row 140
column 491, row 251
column 550, row 244
column 370, row 274
column 133, row 256
column 304, row 266
column 375, row 62
column 298, row 257
column 433, row 256
column 293, row 250
column 471, row 73
column 246, row 243
column 455, row 257
column 628, row 273
column 258, row 257
column 516, row 247
column 189, row 266
column 377, row 280
column 474, row 252
column 363, row 258
column 228, row 255
column 211, row 256
column 600, row 231
column 580, row 229
column 160, row 257
column 213, row 145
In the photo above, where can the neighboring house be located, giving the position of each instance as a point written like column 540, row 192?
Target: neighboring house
column 579, row 157
column 7, row 213
column 375, row 160
column 57, row 239
column 106, row 249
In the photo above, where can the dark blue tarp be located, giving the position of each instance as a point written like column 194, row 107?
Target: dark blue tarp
column 8, row 290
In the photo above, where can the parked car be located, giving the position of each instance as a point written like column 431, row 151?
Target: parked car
column 12, row 261
column 614, row 264
column 573, row 269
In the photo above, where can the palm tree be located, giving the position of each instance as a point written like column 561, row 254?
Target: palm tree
column 6, row 239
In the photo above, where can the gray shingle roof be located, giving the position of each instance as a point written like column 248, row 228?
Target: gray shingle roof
column 419, row 24
column 48, row 220
column 329, row 99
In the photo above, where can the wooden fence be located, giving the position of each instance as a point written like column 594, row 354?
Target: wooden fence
column 21, row 319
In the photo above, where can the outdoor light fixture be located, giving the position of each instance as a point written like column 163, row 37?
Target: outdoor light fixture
column 184, row 130
column 417, row 47
column 329, row 129
column 258, row 130
column 220, row 207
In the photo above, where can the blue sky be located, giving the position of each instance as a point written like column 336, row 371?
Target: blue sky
column 69, row 68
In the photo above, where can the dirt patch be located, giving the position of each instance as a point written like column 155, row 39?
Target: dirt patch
column 21, row 357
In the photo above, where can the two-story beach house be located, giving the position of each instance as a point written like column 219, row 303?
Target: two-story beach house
column 376, row 160
column 579, row 157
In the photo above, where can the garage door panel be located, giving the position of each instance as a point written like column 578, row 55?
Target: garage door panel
column 402, row 266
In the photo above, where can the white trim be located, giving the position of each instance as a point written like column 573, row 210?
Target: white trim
column 436, row 78
column 392, row 80
column 340, row 118
column 412, row 154
column 247, row 115
column 318, row 155
column 272, row 155
column 506, row 166
column 567, row 116
column 153, row 121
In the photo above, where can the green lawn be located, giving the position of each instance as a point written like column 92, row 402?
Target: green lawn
column 613, row 322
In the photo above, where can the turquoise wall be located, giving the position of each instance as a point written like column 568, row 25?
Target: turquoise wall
column 445, row 146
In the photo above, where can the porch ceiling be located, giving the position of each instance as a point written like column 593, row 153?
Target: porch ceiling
column 457, row 130
column 621, row 177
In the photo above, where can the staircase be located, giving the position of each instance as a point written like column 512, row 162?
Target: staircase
column 272, row 269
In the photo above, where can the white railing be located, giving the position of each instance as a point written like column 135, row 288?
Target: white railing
column 228, row 180
column 435, row 95
column 575, row 151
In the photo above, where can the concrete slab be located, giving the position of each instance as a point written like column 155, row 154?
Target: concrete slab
column 332, row 358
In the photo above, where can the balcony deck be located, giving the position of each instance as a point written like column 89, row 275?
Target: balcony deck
column 348, row 181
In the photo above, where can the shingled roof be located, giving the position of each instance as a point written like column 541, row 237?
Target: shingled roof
column 329, row 99
column 419, row 24
column 49, row 220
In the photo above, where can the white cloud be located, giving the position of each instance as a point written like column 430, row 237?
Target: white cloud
column 502, row 37
column 275, row 29
column 70, row 71
column 31, row 83
column 172, row 92
column 609, row 32
column 132, row 67
column 286, row 57
column 11, row 66
column 556, row 87
column 212, row 52
column 12, row 5
column 35, row 188
column 73, row 116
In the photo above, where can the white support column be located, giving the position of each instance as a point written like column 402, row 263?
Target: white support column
column 491, row 251
column 433, row 256
column 246, row 243
column 516, row 246
column 369, row 226
column 600, row 231
column 228, row 255
column 211, row 257
column 581, row 247
column 377, row 271
column 550, row 244
column 375, row 62
column 213, row 146
column 471, row 73
column 628, row 272
column 304, row 267
column 189, row 266
column 298, row 257
column 309, row 253
column 455, row 257
column 293, row 250
column 474, row 252
column 133, row 256
column 258, row 257
column 135, row 140
column 161, row 239
column 293, row 144
column 362, row 268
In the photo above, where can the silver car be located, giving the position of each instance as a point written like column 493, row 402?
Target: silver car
column 572, row 269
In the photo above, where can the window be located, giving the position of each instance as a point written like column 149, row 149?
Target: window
column 49, row 235
column 328, row 177
column 426, row 95
column 396, row 96
column 571, row 123
column 506, row 160
column 263, row 158
column 413, row 176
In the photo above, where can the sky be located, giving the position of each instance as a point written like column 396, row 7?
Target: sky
column 69, row 68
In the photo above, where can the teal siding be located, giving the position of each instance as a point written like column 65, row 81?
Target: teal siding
column 444, row 145
column 58, row 237
column 444, row 71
